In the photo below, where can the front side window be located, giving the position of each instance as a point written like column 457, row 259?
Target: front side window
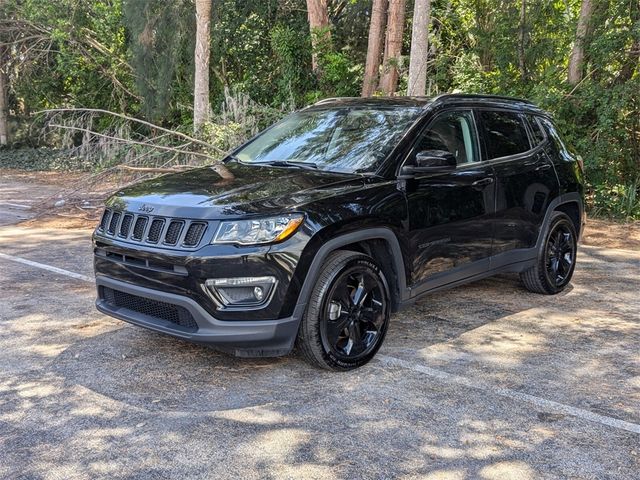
column 341, row 139
column 504, row 133
column 452, row 132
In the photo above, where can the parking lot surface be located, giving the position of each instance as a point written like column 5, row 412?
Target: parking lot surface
column 482, row 381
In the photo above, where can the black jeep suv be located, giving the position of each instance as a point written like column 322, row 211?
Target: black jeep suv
column 338, row 215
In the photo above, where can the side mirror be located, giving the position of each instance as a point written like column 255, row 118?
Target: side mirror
column 431, row 161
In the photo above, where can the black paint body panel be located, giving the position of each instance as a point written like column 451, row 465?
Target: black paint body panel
column 437, row 229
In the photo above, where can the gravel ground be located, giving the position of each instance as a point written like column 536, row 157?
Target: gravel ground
column 482, row 381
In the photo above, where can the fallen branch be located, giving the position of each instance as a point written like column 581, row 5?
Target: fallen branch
column 137, row 120
column 175, row 168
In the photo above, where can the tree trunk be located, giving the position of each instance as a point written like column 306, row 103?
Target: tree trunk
column 319, row 26
column 392, row 47
column 522, row 40
column 419, row 48
column 202, row 52
column 576, row 58
column 374, row 47
column 4, row 130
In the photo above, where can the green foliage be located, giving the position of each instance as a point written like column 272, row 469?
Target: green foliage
column 37, row 159
column 136, row 57
column 292, row 52
column 77, row 55
column 161, row 42
column 621, row 201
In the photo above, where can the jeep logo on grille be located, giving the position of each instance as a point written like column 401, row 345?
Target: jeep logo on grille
column 145, row 208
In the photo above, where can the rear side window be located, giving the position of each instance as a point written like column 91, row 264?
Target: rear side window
column 538, row 134
column 505, row 134
column 553, row 133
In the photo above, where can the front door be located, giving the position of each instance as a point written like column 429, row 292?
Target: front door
column 450, row 214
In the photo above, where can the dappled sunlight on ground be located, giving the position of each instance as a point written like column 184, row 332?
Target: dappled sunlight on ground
column 83, row 395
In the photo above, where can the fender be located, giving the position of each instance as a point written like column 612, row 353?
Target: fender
column 571, row 197
column 381, row 233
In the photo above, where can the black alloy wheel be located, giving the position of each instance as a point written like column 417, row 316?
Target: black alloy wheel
column 348, row 313
column 353, row 318
column 561, row 251
column 556, row 257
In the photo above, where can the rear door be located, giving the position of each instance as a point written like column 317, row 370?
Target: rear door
column 450, row 214
column 525, row 181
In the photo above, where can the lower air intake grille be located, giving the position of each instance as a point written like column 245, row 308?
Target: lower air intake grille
column 175, row 314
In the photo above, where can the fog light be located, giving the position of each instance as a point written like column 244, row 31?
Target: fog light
column 258, row 293
column 241, row 291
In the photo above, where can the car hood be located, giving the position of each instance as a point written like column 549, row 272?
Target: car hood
column 201, row 193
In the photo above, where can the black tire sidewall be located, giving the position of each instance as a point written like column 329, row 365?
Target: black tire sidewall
column 317, row 304
column 550, row 285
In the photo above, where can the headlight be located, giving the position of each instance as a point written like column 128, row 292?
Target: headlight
column 258, row 231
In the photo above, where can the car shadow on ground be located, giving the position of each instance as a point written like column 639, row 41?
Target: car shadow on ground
column 150, row 401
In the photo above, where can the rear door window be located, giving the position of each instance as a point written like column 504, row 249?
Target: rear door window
column 504, row 133
column 536, row 130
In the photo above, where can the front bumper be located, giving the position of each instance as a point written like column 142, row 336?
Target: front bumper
column 246, row 338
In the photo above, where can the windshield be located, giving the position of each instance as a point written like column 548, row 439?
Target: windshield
column 340, row 140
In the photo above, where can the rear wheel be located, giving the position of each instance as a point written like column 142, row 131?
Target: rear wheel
column 556, row 258
column 348, row 313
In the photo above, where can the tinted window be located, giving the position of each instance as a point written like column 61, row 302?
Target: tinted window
column 452, row 132
column 553, row 133
column 538, row 134
column 505, row 134
column 340, row 139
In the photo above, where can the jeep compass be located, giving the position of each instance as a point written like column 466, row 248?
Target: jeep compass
column 339, row 215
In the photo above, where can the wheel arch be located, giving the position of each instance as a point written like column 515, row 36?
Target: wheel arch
column 569, row 203
column 380, row 243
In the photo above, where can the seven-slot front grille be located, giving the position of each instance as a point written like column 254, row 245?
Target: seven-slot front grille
column 152, row 230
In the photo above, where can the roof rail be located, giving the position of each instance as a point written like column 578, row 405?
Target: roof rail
column 326, row 100
column 481, row 96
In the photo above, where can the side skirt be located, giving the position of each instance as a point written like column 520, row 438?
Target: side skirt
column 513, row 261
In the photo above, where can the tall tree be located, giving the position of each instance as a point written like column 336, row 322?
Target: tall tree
column 202, row 52
column 319, row 27
column 522, row 41
column 392, row 47
column 419, row 55
column 374, row 47
column 576, row 58
column 4, row 130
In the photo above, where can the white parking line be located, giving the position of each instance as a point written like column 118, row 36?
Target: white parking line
column 16, row 205
column 61, row 271
column 542, row 403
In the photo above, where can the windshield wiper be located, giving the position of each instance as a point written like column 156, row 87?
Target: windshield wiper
column 289, row 163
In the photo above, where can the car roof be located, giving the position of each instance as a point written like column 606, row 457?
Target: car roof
column 425, row 102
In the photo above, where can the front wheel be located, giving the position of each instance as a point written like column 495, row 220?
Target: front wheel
column 556, row 258
column 348, row 313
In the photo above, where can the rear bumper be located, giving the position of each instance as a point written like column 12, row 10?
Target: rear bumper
column 255, row 338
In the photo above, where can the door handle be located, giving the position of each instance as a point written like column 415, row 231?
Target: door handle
column 483, row 182
column 544, row 166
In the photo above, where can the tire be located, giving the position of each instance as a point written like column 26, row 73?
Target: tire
column 348, row 313
column 556, row 258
